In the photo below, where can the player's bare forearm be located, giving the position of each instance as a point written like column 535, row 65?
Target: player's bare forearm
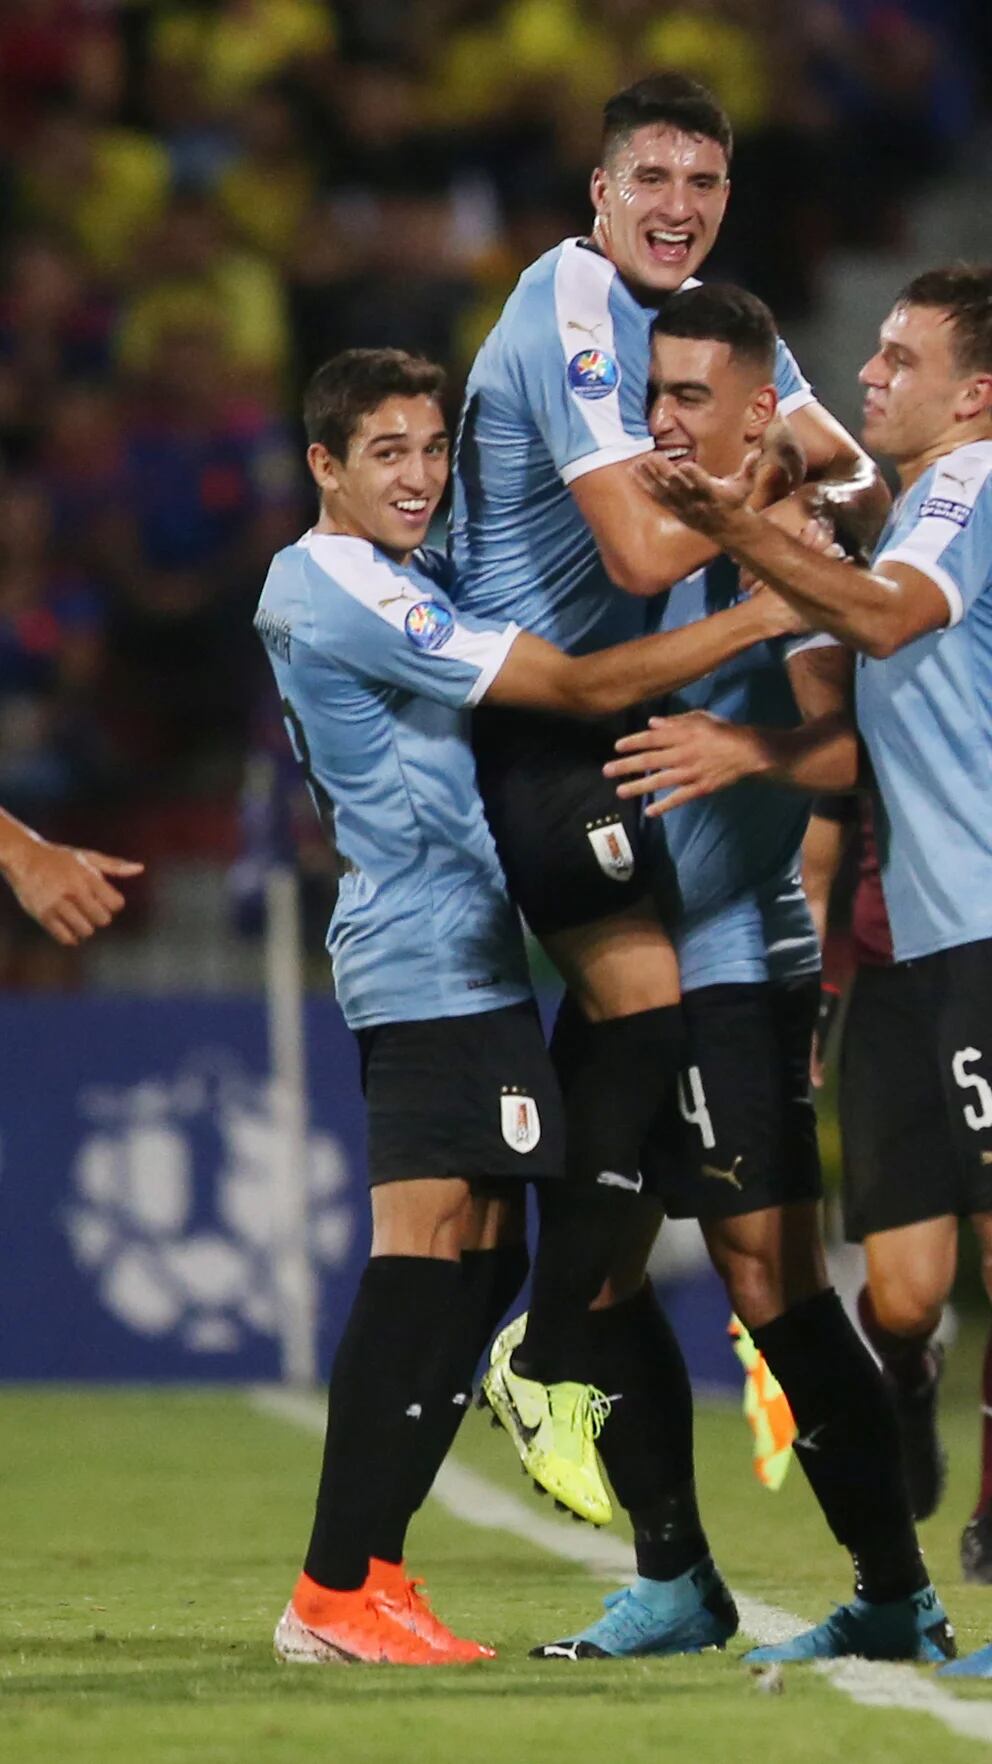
column 66, row 891
column 537, row 676
column 617, row 678
column 866, row 609
column 697, row 754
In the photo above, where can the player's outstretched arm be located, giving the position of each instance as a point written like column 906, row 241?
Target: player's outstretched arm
column 645, row 549
column 537, row 676
column 64, row 889
column 872, row 611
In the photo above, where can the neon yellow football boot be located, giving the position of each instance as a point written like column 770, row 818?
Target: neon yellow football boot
column 554, row 1428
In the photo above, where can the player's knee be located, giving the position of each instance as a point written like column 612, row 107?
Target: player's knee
column 754, row 1283
column 907, row 1301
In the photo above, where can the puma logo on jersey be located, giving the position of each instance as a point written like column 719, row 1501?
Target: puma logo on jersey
column 718, row 1175
column 954, row 479
column 586, row 330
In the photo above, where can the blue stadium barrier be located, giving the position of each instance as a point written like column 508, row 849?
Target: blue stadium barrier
column 135, row 1212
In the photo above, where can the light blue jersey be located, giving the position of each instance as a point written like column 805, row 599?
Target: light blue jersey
column 926, row 715
column 377, row 673
column 741, row 912
column 559, row 388
column 764, row 934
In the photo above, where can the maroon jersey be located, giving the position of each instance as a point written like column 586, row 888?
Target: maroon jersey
column 869, row 919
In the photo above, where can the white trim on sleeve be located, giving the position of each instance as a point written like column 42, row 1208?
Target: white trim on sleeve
column 605, row 456
column 812, row 640
column 926, row 566
column 498, row 646
column 797, row 400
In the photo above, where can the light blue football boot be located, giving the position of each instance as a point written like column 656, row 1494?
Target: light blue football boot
column 976, row 1665
column 905, row 1629
column 681, row 1616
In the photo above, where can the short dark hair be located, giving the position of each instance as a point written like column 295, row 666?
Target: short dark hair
column 666, row 97
column 357, row 381
column 721, row 313
column 964, row 292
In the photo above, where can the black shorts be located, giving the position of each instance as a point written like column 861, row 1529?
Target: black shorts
column 569, row 847
column 741, row 1133
column 916, row 1091
column 474, row 1097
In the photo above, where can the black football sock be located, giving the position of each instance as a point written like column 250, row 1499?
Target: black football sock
column 906, row 1358
column 848, row 1441
column 392, row 1359
column 614, row 1078
column 490, row 1281
column 646, row 1441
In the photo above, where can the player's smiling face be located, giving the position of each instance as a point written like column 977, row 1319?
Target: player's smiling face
column 388, row 487
column 659, row 201
column 705, row 405
column 917, row 399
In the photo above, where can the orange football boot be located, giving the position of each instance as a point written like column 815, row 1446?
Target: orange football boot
column 405, row 1599
column 320, row 1626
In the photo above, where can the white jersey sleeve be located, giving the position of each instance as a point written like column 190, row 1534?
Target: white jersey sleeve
column 395, row 626
column 948, row 535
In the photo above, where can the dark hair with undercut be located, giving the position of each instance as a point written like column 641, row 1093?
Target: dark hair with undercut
column 667, row 98
column 964, row 292
column 356, row 382
column 720, row 312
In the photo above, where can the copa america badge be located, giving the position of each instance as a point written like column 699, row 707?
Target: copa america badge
column 593, row 374
column 429, row 624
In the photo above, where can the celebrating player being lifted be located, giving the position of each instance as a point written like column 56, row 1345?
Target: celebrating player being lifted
column 552, row 529
column 920, row 619
column 740, row 1153
column 377, row 671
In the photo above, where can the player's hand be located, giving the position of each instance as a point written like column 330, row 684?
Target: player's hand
column 705, row 503
column 780, row 619
column 67, row 890
column 688, row 756
column 781, row 467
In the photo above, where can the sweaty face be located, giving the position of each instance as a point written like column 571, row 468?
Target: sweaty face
column 389, row 486
column 705, row 406
column 913, row 389
column 659, row 202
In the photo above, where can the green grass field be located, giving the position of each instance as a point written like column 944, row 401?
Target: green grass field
column 149, row 1539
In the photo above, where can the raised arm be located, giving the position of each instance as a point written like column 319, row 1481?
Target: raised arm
column 645, row 548
column 875, row 611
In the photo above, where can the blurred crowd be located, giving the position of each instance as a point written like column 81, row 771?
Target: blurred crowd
column 200, row 201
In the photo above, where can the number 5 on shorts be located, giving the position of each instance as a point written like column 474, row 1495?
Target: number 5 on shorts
column 975, row 1117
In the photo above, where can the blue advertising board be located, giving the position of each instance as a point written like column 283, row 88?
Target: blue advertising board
column 136, row 1224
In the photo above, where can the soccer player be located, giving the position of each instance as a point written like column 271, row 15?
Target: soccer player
column 920, row 621
column 376, row 673
column 739, row 1152
column 551, row 528
column 912, row 1366
column 65, row 890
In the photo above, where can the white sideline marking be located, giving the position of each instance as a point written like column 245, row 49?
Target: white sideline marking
column 473, row 1498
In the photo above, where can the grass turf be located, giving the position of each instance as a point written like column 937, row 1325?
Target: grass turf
column 149, row 1539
